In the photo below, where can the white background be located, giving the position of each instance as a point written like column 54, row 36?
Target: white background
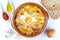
column 6, row 25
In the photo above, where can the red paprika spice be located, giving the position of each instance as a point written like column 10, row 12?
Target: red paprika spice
column 5, row 16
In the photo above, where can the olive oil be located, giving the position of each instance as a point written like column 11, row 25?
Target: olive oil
column 9, row 7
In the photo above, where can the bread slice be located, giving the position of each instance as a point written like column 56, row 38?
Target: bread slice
column 51, row 4
column 53, row 7
column 55, row 14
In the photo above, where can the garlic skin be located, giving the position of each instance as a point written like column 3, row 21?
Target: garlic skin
column 51, row 33
column 9, row 33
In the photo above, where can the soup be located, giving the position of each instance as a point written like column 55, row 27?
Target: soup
column 29, row 20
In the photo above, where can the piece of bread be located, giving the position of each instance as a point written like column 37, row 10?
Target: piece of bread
column 55, row 14
column 53, row 7
column 51, row 4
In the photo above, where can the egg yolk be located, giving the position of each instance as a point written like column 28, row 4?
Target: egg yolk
column 28, row 19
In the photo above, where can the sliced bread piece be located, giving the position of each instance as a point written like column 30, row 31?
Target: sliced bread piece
column 51, row 4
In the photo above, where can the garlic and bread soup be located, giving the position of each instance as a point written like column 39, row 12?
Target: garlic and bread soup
column 29, row 20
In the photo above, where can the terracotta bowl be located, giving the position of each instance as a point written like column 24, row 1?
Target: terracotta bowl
column 34, row 4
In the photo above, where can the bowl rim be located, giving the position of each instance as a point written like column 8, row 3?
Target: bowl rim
column 35, row 4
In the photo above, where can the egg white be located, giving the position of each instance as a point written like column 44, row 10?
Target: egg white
column 22, row 17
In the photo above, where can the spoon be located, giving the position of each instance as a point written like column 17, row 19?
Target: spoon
column 4, row 14
column 10, row 5
column 2, row 7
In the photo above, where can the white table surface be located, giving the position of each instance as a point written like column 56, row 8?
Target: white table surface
column 6, row 25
